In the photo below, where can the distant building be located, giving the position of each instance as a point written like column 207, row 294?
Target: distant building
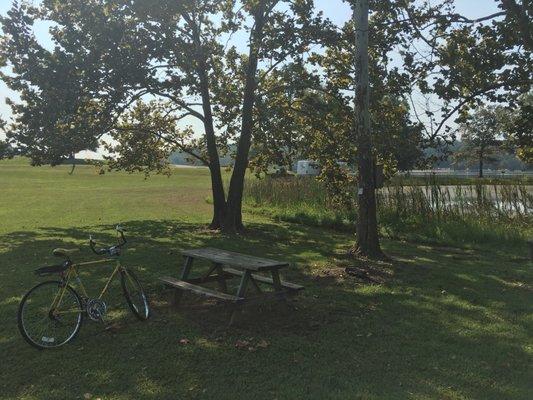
column 307, row 168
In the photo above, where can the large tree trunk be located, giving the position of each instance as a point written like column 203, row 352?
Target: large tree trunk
column 481, row 164
column 217, row 185
column 233, row 218
column 367, row 226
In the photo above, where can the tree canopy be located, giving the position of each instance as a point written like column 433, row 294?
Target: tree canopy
column 134, row 70
column 481, row 137
column 137, row 72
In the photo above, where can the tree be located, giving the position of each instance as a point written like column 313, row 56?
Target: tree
column 517, row 127
column 274, row 38
column 381, row 113
column 478, row 61
column 233, row 214
column 445, row 56
column 168, row 61
column 281, row 135
column 520, row 13
column 136, row 70
column 480, row 138
column 367, row 224
column 109, row 56
column 463, row 62
column 5, row 149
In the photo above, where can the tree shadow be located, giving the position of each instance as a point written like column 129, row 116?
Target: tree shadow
column 435, row 326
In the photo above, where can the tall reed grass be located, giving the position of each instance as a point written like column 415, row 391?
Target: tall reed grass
column 509, row 202
column 464, row 213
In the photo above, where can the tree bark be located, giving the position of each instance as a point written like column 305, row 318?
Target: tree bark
column 481, row 164
column 367, row 227
column 217, row 185
column 233, row 217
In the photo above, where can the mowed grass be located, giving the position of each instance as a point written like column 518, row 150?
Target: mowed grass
column 44, row 196
column 434, row 323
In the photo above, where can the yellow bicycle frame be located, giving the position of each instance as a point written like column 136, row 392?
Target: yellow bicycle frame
column 72, row 273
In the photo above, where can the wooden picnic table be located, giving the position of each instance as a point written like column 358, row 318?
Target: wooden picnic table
column 226, row 265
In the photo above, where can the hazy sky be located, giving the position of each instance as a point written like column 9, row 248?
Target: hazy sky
column 336, row 10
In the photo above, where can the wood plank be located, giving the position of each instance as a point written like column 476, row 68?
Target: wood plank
column 182, row 285
column 233, row 259
column 269, row 297
column 210, row 278
column 264, row 279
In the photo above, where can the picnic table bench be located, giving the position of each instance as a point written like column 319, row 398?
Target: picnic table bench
column 227, row 265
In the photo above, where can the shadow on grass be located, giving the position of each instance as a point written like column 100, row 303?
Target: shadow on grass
column 443, row 323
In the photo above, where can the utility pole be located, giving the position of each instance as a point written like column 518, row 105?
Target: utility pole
column 367, row 226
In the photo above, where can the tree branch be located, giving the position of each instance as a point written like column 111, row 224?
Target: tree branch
column 183, row 148
column 161, row 136
column 181, row 103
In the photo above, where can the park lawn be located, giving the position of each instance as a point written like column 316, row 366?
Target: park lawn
column 435, row 323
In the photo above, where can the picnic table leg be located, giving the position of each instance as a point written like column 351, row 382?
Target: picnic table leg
column 221, row 278
column 276, row 280
column 256, row 286
column 240, row 293
column 278, row 287
column 187, row 265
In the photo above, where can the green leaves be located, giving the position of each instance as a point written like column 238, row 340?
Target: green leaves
column 145, row 138
column 108, row 55
column 516, row 124
column 5, row 149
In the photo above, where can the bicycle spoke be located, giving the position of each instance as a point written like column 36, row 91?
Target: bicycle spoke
column 134, row 295
column 48, row 327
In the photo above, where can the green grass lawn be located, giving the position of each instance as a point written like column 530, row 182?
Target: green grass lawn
column 435, row 323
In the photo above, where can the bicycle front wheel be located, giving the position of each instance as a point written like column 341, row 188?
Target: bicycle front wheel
column 50, row 315
column 134, row 294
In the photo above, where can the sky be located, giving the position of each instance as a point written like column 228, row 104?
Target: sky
column 336, row 10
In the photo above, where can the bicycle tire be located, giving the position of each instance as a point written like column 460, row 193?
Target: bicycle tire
column 142, row 310
column 50, row 342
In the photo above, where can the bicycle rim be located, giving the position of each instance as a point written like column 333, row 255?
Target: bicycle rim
column 50, row 315
column 135, row 295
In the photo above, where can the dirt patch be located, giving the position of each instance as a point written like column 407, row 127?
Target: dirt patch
column 368, row 274
column 359, row 269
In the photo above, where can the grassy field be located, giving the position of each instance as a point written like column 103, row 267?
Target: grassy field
column 436, row 322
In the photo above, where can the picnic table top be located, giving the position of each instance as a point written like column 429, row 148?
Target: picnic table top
column 233, row 259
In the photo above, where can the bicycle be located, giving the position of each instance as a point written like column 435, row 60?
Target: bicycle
column 51, row 313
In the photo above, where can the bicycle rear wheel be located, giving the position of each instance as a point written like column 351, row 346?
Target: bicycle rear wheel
column 50, row 315
column 134, row 294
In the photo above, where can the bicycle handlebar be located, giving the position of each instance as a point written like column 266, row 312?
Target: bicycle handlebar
column 112, row 250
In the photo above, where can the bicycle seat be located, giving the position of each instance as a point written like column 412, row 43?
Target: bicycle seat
column 66, row 253
column 52, row 269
